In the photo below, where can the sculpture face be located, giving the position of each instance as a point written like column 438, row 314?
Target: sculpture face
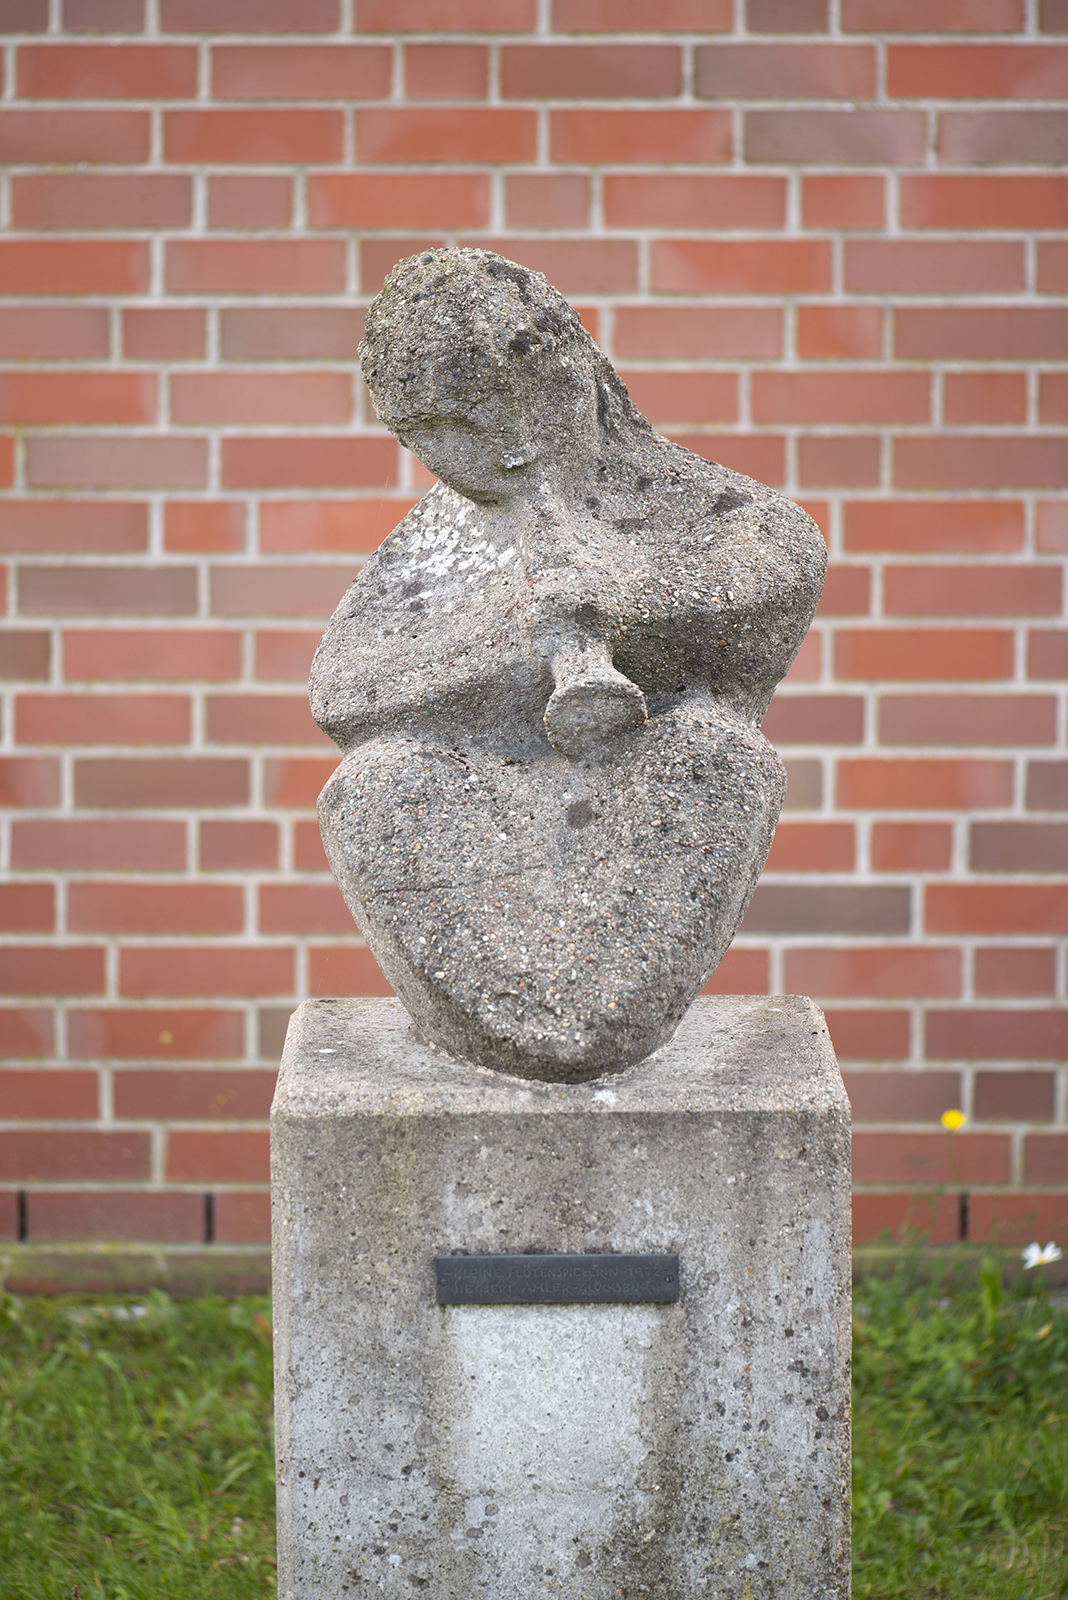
column 555, row 799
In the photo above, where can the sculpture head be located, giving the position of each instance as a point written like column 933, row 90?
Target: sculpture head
column 481, row 369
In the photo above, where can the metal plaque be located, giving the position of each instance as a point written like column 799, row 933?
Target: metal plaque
column 546, row 1280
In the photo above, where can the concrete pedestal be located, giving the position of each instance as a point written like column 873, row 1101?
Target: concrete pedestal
column 590, row 1452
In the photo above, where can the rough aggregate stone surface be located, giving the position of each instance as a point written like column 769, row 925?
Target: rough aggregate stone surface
column 563, row 1452
column 548, row 684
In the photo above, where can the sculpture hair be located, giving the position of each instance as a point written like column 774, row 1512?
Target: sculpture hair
column 448, row 326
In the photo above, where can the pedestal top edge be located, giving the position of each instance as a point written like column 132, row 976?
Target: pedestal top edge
column 730, row 1053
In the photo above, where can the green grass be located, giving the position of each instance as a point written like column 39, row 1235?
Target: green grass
column 135, row 1450
column 960, row 1441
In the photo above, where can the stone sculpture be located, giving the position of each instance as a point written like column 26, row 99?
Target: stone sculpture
column 548, row 683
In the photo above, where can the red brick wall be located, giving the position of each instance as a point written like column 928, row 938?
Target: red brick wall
column 836, row 258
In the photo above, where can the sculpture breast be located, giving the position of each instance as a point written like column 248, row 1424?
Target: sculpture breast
column 548, row 683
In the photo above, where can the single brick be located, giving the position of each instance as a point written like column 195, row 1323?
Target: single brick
column 1046, row 1159
column 255, row 266
column 867, row 1033
column 27, row 908
column 295, row 783
column 303, row 909
column 786, row 16
column 24, row 16
column 322, row 462
column 88, row 461
column 154, row 1033
column 261, row 719
column 238, row 846
column 278, row 590
column 74, row 527
column 812, row 847
column 683, row 397
column 770, row 266
column 827, row 908
column 64, row 1215
column 243, row 1216
column 66, row 266
column 961, row 719
column 984, row 201
column 53, row 333
column 635, row 16
column 1015, row 1218
column 196, row 526
column 446, row 71
column 249, row 16
column 1015, row 970
column 172, row 908
column 1014, row 1096
column 446, row 16
column 848, row 461
column 289, row 526
column 1025, row 847
column 103, row 16
column 26, row 1032
column 253, row 200
column 78, row 719
column 85, row 591
column 62, row 397
column 300, row 72
column 985, row 397
column 942, row 267
column 57, row 1094
column 52, row 969
column 997, row 1035
column 728, row 71
column 924, row 1158
column 843, row 200
column 839, row 333
column 856, row 397
column 25, row 653
column 902, row 1096
column 402, row 200
column 236, row 1156
column 65, row 1157
column 1047, row 785
column 547, row 200
column 106, row 72
column 742, row 971
column 876, row 784
column 977, row 71
column 590, row 72
column 677, row 200
column 290, row 333
column 986, row 461
column 918, row 16
column 890, row 972
column 306, row 399
column 161, row 782
column 98, row 845
column 998, row 909
column 815, row 719
column 624, row 138
column 219, row 971
column 344, row 969
column 836, row 138
column 163, row 333
column 1047, row 654
column 911, row 846
column 156, row 655
column 934, row 1218
column 197, row 1096
column 934, row 527
column 1003, row 138
column 101, row 137
column 981, row 333
column 696, row 333
column 432, row 135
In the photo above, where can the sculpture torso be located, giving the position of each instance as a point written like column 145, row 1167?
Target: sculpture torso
column 556, row 801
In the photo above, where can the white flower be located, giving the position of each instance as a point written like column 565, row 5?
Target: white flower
column 1035, row 1255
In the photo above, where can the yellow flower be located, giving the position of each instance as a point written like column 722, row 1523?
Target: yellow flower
column 953, row 1120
